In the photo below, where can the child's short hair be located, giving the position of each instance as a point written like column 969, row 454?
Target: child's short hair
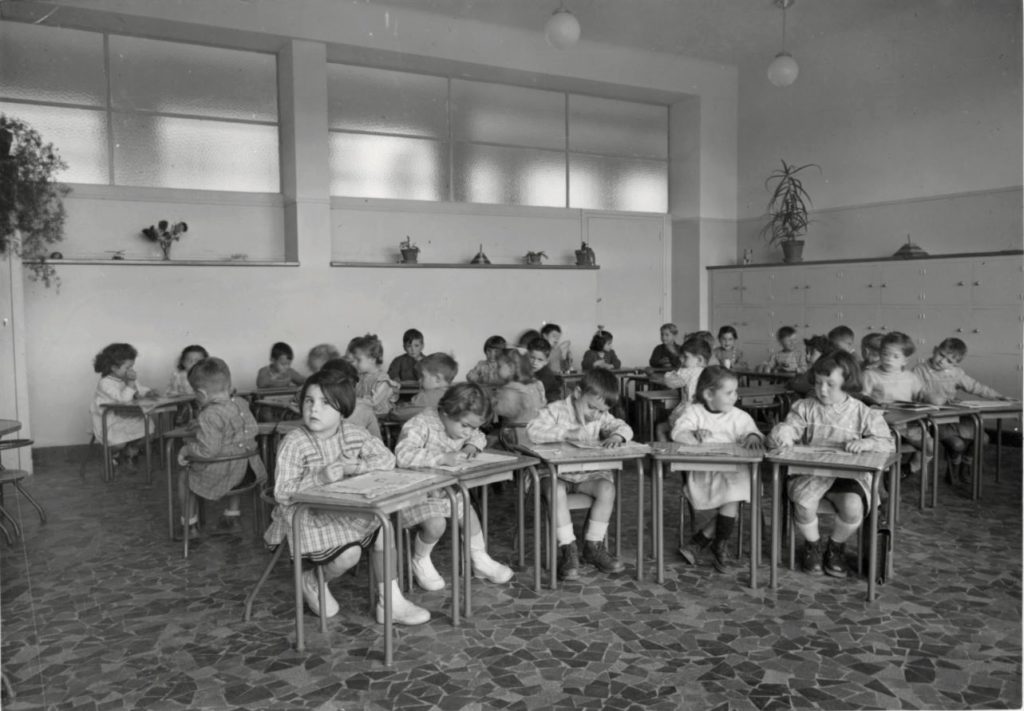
column 670, row 327
column 369, row 345
column 494, row 342
column 411, row 335
column 464, row 399
column 550, row 328
column 839, row 333
column 844, row 362
column 340, row 365
column 871, row 342
column 728, row 330
column 324, row 352
column 711, row 378
column 338, row 388
column 210, row 375
column 952, row 345
column 440, row 364
column 281, row 349
column 902, row 340
column 191, row 349
column 705, row 336
column 785, row 332
column 697, row 347
column 522, row 371
column 600, row 382
column 539, row 344
column 600, row 340
column 821, row 345
column 112, row 356
column 528, row 337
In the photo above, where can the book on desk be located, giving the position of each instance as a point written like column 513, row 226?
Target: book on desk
column 482, row 459
column 376, row 484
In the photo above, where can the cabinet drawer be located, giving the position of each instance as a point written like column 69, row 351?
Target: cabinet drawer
column 946, row 282
column 993, row 331
column 725, row 287
column 998, row 282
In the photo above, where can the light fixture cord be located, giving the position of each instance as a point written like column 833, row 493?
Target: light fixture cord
column 783, row 27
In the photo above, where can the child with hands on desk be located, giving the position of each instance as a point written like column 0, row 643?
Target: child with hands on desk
column 119, row 384
column 584, row 417
column 835, row 419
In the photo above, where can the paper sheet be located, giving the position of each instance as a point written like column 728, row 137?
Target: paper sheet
column 480, row 460
column 374, row 485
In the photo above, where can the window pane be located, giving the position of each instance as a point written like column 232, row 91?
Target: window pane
column 388, row 167
column 80, row 135
column 164, row 152
column 617, row 127
column 509, row 176
column 51, row 64
column 381, row 101
column 618, row 184
column 494, row 113
column 149, row 75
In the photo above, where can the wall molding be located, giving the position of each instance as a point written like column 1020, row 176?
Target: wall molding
column 89, row 191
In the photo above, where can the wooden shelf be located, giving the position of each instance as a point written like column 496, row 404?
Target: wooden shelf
column 463, row 265
column 958, row 255
column 169, row 262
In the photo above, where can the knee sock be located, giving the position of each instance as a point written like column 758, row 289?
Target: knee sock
column 809, row 530
column 232, row 513
column 843, row 530
column 596, row 530
column 723, row 527
column 478, row 548
column 422, row 549
column 565, row 535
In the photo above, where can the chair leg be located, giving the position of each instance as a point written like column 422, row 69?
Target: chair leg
column 322, row 589
column 739, row 532
column 251, row 598
column 38, row 508
column 7, row 534
column 14, row 524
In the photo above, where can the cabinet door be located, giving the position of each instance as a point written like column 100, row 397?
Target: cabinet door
column 862, row 319
column 1002, row 372
column 858, row 284
column 937, row 324
column 727, row 316
column 725, row 286
column 757, row 287
column 819, row 320
column 905, row 320
column 946, row 281
column 788, row 285
column 998, row 281
column 994, row 331
column 900, row 283
column 785, row 315
column 820, row 285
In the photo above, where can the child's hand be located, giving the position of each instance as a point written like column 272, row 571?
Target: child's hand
column 182, row 457
column 857, row 446
column 753, row 443
column 450, row 459
column 702, row 435
column 780, row 442
column 470, row 451
column 613, row 441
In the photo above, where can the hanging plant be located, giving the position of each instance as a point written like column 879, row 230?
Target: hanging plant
column 31, row 199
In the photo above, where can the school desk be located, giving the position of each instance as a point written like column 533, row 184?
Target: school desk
column 982, row 410
column 896, row 416
column 650, row 402
column 146, row 408
column 747, row 377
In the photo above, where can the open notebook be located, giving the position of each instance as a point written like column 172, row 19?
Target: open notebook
column 374, row 485
column 480, row 460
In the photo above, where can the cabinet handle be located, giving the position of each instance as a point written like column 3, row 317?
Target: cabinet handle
column 883, row 285
column 959, row 330
column 871, row 286
column 807, row 286
column 960, row 283
column 977, row 283
column 977, row 330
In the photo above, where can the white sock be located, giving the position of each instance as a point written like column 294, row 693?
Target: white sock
column 478, row 547
column 596, row 530
column 232, row 513
column 396, row 593
column 421, row 549
column 565, row 534
column 842, row 530
column 191, row 522
column 809, row 531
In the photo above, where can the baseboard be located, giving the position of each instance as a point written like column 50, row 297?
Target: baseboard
column 69, row 454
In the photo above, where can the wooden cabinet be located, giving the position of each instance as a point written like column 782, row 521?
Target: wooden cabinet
column 725, row 289
column 997, row 282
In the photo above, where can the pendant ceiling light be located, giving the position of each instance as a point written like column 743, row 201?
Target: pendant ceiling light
column 783, row 70
column 563, row 29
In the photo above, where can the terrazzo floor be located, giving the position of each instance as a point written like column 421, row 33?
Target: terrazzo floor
column 100, row 611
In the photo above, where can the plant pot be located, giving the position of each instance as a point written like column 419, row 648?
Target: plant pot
column 410, row 256
column 793, row 251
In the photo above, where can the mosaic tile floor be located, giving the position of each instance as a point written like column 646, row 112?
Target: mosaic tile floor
column 100, row 611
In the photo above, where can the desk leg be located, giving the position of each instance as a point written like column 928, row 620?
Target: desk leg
column 776, row 525
column 755, row 523
column 930, row 429
column 300, row 642
column 640, row 533
column 468, row 594
column 145, row 444
column 894, row 512
column 532, row 471
column 618, row 508
column 521, row 518
column 389, row 565
column 553, row 528
column 453, row 499
column 169, row 469
column 979, row 444
column 108, row 469
column 999, row 446
column 658, row 519
column 483, row 510
column 873, row 536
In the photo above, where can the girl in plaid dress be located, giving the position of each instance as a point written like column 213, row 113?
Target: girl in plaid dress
column 327, row 449
column 447, row 436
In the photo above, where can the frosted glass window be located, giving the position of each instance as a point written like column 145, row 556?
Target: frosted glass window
column 508, row 176
column 168, row 77
column 382, row 101
column 165, row 152
column 598, row 183
column 80, row 136
column 388, row 167
column 51, row 64
column 622, row 128
column 511, row 115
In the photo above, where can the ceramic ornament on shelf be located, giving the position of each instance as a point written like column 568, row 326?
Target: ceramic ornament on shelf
column 909, row 251
column 480, row 257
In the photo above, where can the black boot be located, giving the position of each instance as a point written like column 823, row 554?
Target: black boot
column 721, row 557
column 810, row 558
column 691, row 551
column 835, row 559
column 568, row 562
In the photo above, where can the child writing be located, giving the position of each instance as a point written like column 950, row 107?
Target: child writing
column 366, row 353
column 786, row 359
column 224, row 426
column 179, row 380
column 815, row 347
column 444, row 437
column 832, row 418
column 584, row 417
column 118, row 384
column 522, row 396
column 842, row 339
column 714, row 418
column 726, row 353
column 323, row 450
column 362, row 414
column 601, row 354
column 486, row 371
column 437, row 371
column 666, row 353
column 539, row 352
column 320, row 354
column 279, row 373
column 403, row 368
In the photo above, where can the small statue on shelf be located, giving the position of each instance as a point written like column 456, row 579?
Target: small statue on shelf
column 480, row 257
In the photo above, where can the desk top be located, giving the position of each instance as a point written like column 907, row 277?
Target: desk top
column 659, row 394
column 776, row 377
column 566, row 452
column 895, row 416
column 264, row 429
column 988, row 407
column 483, row 467
column 711, row 453
column 760, row 391
column 146, row 405
column 386, row 491
column 831, row 458
column 8, row 426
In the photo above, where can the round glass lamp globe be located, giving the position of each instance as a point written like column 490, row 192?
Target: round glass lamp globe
column 562, row 30
column 783, row 70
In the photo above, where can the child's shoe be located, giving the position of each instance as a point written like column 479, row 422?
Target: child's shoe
column 595, row 553
column 426, row 574
column 568, row 562
column 810, row 558
column 310, row 593
column 965, row 475
column 953, row 471
column 484, row 566
column 403, row 612
column 691, row 551
column 193, row 533
column 835, row 559
column 721, row 558
column 229, row 526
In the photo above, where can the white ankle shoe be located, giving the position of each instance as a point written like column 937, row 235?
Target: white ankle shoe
column 309, row 592
column 426, row 574
column 403, row 612
column 489, row 569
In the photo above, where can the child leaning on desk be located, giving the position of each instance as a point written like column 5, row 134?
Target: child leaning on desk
column 279, row 372
column 367, row 353
column 446, row 436
column 118, row 384
column 835, row 419
column 695, row 354
column 327, row 449
column 584, row 417
column 714, row 418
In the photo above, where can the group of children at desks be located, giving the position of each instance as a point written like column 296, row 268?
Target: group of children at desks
column 344, row 400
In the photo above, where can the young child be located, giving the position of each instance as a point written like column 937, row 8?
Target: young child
column 118, row 384
column 714, row 418
column 891, row 381
column 486, row 371
column 224, row 426
column 438, row 437
column 279, row 373
column 522, row 396
column 666, row 353
column 842, row 339
column 324, row 450
column 870, row 350
column 942, row 379
column 362, row 414
column 539, row 353
column 403, row 368
column 787, row 359
column 561, row 357
column 320, row 354
column 832, row 418
column 695, row 356
column 726, row 353
column 815, row 347
column 584, row 417
column 179, row 380
column 366, row 353
column 601, row 354
column 437, row 371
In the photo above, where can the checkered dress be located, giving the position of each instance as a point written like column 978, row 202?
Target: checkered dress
column 558, row 423
column 380, row 391
column 786, row 362
column 304, row 462
column 224, row 427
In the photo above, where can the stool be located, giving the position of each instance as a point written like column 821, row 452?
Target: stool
column 15, row 477
column 243, row 488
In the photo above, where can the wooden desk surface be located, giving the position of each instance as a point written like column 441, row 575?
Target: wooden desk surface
column 564, row 452
column 145, row 405
column 420, row 483
column 710, row 453
column 760, row 391
column 831, row 458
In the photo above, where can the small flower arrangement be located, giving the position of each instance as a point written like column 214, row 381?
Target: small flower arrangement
column 410, row 252
column 535, row 257
column 165, row 234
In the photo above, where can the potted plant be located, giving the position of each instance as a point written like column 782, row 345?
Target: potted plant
column 165, row 234
column 410, row 252
column 787, row 210
column 31, row 200
column 535, row 257
column 585, row 256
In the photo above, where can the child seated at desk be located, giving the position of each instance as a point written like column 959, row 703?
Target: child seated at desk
column 179, row 384
column 447, row 436
column 404, row 368
column 362, row 414
column 279, row 373
column 539, row 353
column 437, row 371
column 787, row 359
column 561, row 355
column 696, row 354
column 842, row 338
column 320, row 354
column 224, row 426
column 375, row 387
column 870, row 351
column 584, row 417
column 323, row 450
column 522, row 396
column 601, row 354
column 486, row 371
column 831, row 418
column 118, row 384
column 816, row 347
column 666, row 353
column 714, row 418
column 726, row 353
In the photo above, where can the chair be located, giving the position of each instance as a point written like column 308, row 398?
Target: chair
column 15, row 477
column 684, row 504
column 245, row 487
